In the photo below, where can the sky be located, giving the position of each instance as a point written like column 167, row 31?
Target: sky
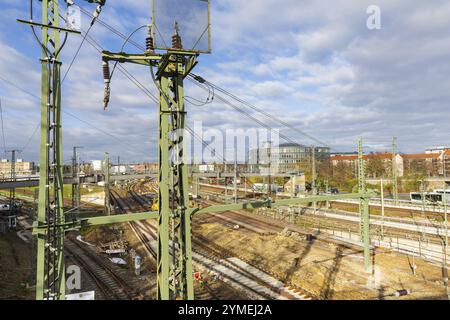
column 314, row 64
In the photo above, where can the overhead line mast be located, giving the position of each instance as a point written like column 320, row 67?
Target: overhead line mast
column 174, row 280
column 394, row 171
column 50, row 273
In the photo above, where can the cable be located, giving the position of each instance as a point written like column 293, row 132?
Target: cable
column 123, row 46
column 123, row 70
column 31, row 137
column 198, row 103
column 210, row 85
column 227, row 102
column 76, row 54
column 137, row 83
column 113, row 30
column 125, row 143
column 202, row 80
column 186, row 126
column 3, row 128
column 189, row 99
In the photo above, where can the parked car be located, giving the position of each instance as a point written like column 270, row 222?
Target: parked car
column 334, row 191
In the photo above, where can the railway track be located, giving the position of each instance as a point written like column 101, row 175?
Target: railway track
column 105, row 278
column 409, row 211
column 256, row 283
column 233, row 271
column 344, row 221
column 419, row 242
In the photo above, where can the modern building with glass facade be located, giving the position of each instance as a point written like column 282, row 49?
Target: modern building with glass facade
column 286, row 157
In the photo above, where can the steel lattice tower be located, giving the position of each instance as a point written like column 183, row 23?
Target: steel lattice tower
column 394, row 171
column 50, row 283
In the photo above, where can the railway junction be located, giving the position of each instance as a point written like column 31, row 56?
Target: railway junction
column 176, row 235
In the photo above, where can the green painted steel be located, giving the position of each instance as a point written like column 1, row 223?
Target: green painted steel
column 173, row 197
column 96, row 221
column 394, row 171
column 364, row 207
column 107, row 182
column 163, row 256
column 314, row 175
column 173, row 191
column 50, row 277
column 269, row 203
column 50, row 223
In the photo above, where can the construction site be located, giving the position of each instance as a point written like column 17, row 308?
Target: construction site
column 266, row 212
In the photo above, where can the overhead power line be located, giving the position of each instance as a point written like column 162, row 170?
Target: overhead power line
column 213, row 86
column 146, row 91
column 246, row 114
column 266, row 114
column 31, row 137
column 123, row 142
column 76, row 54
column 3, row 126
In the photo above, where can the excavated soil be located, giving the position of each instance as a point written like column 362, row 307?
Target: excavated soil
column 330, row 271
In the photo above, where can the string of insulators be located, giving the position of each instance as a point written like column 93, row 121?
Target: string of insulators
column 106, row 81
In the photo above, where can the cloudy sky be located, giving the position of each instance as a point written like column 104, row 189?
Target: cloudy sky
column 311, row 63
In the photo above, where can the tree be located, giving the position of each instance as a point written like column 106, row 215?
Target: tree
column 375, row 168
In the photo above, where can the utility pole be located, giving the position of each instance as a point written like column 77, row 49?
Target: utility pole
column 79, row 184
column 172, row 68
column 106, row 168
column 50, row 282
column 270, row 169
column 292, row 186
column 445, row 267
column 364, row 207
column 382, row 208
column 394, row 171
column 314, row 178
column 197, row 186
column 75, row 176
column 50, row 268
column 235, row 193
column 12, row 192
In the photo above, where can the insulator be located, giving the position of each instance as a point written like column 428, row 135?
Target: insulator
column 149, row 44
column 96, row 14
column 176, row 42
column 106, row 73
column 176, row 39
column 106, row 95
column 199, row 79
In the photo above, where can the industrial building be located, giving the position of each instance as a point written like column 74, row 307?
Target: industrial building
column 20, row 167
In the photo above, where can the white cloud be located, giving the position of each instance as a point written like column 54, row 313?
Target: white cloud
column 311, row 63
